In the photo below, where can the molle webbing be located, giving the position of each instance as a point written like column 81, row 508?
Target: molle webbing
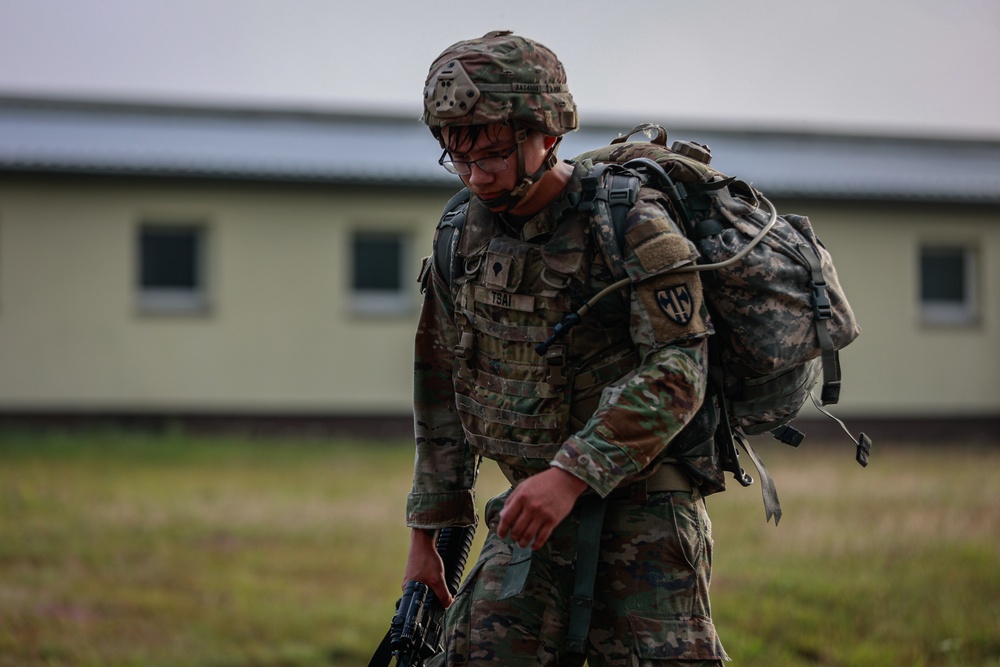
column 509, row 417
column 517, row 406
column 512, row 387
column 524, row 334
column 513, row 448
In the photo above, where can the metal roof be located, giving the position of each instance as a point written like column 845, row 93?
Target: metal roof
column 280, row 145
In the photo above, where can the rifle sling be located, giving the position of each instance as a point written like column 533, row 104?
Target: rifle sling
column 383, row 654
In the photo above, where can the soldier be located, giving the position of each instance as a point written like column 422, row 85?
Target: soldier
column 602, row 547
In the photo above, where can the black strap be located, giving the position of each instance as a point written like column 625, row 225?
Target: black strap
column 383, row 654
column 707, row 227
column 623, row 191
column 448, row 232
column 588, row 551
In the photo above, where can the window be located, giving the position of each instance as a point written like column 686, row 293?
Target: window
column 377, row 270
column 171, row 271
column 948, row 285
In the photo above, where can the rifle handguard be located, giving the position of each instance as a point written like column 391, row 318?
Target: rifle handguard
column 417, row 629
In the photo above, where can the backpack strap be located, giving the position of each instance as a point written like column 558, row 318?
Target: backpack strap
column 618, row 188
column 449, row 231
column 822, row 311
column 622, row 195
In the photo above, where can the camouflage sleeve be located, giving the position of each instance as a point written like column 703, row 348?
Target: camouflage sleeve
column 445, row 468
column 640, row 414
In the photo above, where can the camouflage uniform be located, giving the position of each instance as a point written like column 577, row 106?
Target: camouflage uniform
column 650, row 602
column 623, row 394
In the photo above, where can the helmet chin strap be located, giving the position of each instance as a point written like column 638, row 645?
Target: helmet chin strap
column 506, row 202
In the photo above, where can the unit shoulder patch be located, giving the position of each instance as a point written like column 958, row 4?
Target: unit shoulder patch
column 676, row 303
column 673, row 306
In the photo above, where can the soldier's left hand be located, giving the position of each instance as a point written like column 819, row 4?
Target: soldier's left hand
column 537, row 505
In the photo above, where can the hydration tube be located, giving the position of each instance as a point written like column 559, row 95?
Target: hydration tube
column 573, row 318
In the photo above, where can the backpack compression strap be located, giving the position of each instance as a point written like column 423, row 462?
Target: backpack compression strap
column 823, row 312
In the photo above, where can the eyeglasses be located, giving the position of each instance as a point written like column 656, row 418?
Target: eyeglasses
column 491, row 165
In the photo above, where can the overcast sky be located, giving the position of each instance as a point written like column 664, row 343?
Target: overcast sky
column 897, row 66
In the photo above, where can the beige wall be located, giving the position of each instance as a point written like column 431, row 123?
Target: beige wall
column 899, row 366
column 281, row 335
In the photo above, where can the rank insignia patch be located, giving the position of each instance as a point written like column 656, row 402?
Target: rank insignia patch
column 676, row 303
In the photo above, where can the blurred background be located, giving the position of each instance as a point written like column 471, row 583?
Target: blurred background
column 899, row 67
column 217, row 210
column 212, row 218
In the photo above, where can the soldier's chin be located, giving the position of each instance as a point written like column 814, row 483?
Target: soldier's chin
column 497, row 203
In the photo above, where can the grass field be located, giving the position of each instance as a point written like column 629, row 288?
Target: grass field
column 171, row 550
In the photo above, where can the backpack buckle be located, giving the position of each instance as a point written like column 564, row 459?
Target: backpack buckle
column 788, row 435
column 864, row 450
column 821, row 302
column 622, row 195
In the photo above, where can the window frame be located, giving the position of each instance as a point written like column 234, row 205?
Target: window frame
column 174, row 300
column 951, row 313
column 381, row 302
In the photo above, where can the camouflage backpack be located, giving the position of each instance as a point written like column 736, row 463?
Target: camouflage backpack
column 769, row 283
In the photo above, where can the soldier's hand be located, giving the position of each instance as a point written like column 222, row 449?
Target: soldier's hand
column 539, row 504
column 424, row 564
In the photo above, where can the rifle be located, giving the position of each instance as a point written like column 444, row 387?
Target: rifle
column 417, row 629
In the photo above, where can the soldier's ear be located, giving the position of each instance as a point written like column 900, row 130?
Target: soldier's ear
column 550, row 141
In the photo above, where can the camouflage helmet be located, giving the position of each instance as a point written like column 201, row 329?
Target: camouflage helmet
column 499, row 77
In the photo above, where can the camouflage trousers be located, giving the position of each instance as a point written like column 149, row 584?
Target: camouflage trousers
column 651, row 604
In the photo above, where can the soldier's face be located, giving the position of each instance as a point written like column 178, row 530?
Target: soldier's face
column 495, row 140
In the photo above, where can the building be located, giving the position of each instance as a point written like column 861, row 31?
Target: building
column 253, row 265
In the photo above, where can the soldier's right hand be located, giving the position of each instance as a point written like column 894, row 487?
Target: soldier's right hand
column 424, row 564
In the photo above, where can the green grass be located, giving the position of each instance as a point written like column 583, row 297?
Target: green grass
column 176, row 550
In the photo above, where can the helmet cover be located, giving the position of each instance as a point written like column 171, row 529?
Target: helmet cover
column 499, row 78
